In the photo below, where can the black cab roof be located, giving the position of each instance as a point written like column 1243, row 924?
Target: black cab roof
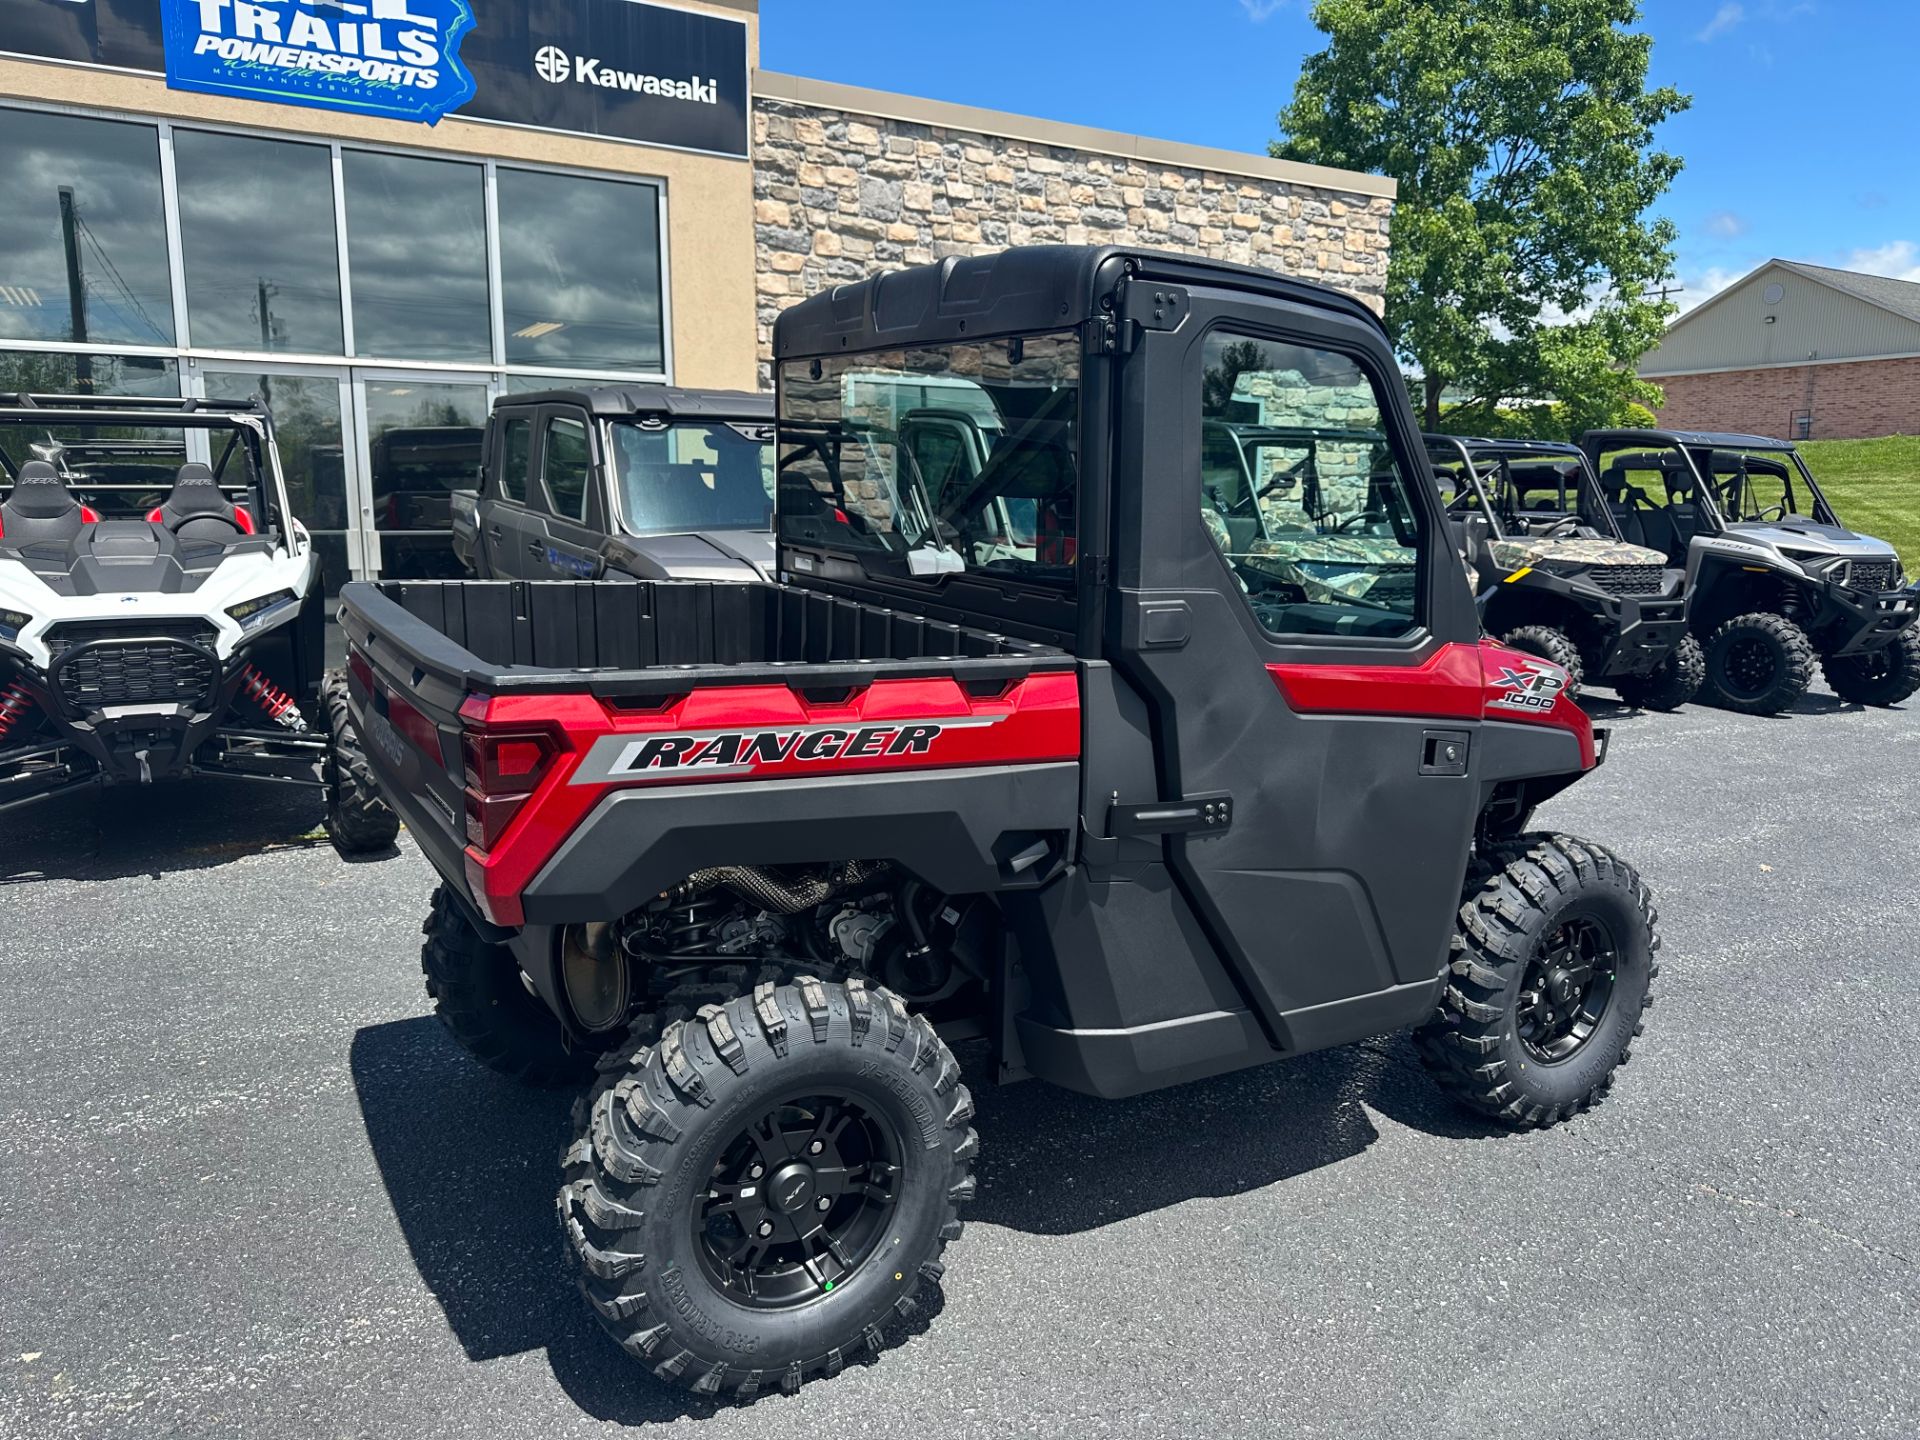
column 670, row 401
column 1025, row 290
column 1691, row 438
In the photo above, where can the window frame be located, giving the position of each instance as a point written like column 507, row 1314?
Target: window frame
column 495, row 367
column 1416, row 484
column 549, row 417
column 503, row 454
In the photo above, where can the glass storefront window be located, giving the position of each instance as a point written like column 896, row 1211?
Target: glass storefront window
column 580, row 272
column 256, row 222
column 308, row 426
column 80, row 211
column 60, row 373
column 423, row 443
column 417, row 257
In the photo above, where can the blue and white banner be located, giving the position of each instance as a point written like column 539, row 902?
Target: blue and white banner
column 393, row 58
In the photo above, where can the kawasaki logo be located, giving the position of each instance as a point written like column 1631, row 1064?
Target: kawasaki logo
column 742, row 752
column 556, row 67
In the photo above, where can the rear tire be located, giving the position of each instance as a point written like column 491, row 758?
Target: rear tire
column 1758, row 664
column 1883, row 677
column 1551, row 644
column 358, row 820
column 1521, row 1035
column 1671, row 683
column 479, row 996
column 664, row 1214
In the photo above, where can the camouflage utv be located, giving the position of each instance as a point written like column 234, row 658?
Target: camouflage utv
column 1554, row 577
column 1305, row 507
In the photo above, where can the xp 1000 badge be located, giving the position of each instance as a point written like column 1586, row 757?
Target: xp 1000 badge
column 1528, row 685
column 397, row 58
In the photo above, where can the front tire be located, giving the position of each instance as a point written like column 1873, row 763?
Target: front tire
column 1758, row 664
column 1553, row 966
column 751, row 1201
column 1882, row 677
column 478, row 994
column 1671, row 683
column 358, row 819
column 1551, row 644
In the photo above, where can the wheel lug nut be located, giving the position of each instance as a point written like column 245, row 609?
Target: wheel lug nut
column 766, row 1227
column 823, row 1203
column 756, row 1172
column 816, row 1147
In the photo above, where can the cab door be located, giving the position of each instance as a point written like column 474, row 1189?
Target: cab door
column 571, row 526
column 1315, row 692
column 506, row 526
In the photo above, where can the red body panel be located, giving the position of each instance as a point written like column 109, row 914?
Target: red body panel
column 1035, row 720
column 1487, row 681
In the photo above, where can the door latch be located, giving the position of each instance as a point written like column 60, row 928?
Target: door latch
column 1444, row 752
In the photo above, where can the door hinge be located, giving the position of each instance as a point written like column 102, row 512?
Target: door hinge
column 1211, row 813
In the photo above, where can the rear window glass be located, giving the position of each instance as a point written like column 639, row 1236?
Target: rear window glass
column 936, row 460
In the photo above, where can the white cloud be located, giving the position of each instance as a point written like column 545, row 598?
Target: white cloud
column 1726, row 224
column 1897, row 259
column 1724, row 19
column 1702, row 286
column 1260, row 10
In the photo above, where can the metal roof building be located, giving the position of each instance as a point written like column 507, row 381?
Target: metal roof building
column 1796, row 350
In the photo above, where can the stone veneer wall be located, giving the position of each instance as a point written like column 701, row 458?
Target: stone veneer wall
column 839, row 195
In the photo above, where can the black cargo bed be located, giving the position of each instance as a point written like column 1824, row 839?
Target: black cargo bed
column 664, row 636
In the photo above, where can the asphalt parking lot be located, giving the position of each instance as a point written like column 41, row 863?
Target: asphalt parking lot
column 248, row 1187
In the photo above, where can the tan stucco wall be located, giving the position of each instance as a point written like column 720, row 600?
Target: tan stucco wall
column 710, row 234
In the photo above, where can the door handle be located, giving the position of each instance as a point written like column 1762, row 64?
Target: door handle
column 536, row 549
column 494, row 531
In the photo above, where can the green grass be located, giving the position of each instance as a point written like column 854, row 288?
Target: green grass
column 1873, row 486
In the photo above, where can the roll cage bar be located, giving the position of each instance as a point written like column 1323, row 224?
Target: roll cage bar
column 1474, row 455
column 239, row 418
column 1660, row 446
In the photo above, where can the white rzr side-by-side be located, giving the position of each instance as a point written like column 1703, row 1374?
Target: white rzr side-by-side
column 161, row 611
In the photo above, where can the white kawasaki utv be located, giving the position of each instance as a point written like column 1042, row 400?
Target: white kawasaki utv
column 161, row 611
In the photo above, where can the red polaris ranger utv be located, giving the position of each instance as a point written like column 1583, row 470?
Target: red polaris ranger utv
column 1039, row 740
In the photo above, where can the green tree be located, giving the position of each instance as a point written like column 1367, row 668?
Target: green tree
column 1521, row 132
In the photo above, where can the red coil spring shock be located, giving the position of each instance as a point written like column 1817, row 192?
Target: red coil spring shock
column 14, row 703
column 272, row 699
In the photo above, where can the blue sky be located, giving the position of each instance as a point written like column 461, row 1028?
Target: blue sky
column 1801, row 141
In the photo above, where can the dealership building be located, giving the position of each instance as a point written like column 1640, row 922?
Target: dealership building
column 383, row 214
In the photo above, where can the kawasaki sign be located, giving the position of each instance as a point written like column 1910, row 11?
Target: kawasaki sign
column 552, row 64
column 398, row 58
column 618, row 69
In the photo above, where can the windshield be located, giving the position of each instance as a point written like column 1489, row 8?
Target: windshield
column 125, row 472
column 1763, row 485
column 686, row 477
column 937, row 459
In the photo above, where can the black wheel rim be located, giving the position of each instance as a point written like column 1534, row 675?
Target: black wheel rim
column 1566, row 991
column 1875, row 667
column 1749, row 666
column 798, row 1200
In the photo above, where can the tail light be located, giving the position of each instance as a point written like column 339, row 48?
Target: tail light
column 504, row 768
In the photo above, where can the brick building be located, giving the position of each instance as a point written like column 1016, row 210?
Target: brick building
column 1795, row 350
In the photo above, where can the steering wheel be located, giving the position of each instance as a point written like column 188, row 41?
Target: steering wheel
column 1565, row 525
column 1365, row 517
column 1772, row 512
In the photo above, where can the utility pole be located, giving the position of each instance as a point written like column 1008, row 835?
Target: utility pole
column 266, row 328
column 76, row 290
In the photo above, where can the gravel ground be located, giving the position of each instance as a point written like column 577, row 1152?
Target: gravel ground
column 247, row 1186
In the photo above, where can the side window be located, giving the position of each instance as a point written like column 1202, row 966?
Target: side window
column 1322, row 531
column 516, row 450
column 564, row 464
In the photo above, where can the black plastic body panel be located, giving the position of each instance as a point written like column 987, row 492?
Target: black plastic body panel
column 956, row 829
